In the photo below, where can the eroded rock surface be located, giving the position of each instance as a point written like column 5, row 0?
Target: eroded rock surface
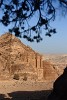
column 17, row 58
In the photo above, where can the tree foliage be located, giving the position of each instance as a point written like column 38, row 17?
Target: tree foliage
column 21, row 14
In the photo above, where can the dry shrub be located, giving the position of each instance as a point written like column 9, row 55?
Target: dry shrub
column 16, row 77
column 25, row 77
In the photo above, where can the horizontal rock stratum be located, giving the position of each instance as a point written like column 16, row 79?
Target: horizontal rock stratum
column 17, row 58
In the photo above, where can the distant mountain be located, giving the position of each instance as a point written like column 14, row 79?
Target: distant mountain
column 57, row 58
column 59, row 61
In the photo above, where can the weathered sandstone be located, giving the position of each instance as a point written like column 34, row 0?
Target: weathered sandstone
column 17, row 58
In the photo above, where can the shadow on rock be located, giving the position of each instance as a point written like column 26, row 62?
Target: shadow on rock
column 2, row 96
column 30, row 95
column 59, row 88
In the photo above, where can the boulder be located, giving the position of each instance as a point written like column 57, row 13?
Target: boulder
column 59, row 91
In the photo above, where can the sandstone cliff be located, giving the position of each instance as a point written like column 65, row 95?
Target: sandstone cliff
column 17, row 58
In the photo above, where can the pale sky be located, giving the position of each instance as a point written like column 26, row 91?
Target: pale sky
column 57, row 44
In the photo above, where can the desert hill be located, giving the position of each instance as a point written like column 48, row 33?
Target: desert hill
column 13, row 55
column 17, row 58
column 58, row 60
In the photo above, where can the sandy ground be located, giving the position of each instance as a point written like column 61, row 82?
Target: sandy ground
column 16, row 87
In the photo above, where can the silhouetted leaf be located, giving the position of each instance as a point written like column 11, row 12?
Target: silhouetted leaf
column 19, row 13
column 10, row 30
column 22, row 28
column 33, row 28
column 15, row 2
column 43, row 21
column 54, row 31
column 48, row 34
column 50, row 11
column 50, row 31
column 5, row 19
column 25, row 6
column 7, row 7
column 35, row 37
column 38, row 40
column 17, row 32
column 24, row 36
column 32, row 40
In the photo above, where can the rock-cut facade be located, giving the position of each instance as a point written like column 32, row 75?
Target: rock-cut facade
column 17, row 58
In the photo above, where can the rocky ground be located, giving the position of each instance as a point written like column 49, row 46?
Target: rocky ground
column 24, row 90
